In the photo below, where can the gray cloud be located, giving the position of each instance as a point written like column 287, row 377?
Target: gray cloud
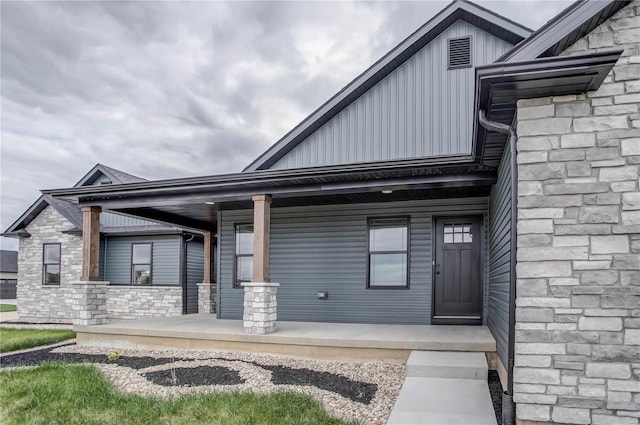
column 171, row 89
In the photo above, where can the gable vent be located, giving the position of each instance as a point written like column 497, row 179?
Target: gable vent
column 459, row 55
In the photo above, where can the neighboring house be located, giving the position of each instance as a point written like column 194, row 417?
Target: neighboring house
column 152, row 268
column 476, row 174
column 8, row 274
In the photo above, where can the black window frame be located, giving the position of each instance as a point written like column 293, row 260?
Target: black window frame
column 150, row 264
column 407, row 251
column 237, row 283
column 463, row 66
column 45, row 264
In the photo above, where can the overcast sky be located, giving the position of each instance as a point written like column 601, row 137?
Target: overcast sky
column 171, row 89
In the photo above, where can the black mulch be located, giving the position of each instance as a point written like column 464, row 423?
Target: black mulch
column 38, row 356
column 495, row 388
column 195, row 376
column 360, row 392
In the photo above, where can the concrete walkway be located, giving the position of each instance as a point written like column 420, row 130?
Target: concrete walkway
column 444, row 388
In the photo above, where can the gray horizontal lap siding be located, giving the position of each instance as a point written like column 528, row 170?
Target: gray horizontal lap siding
column 500, row 258
column 324, row 248
column 195, row 273
column 420, row 109
column 165, row 255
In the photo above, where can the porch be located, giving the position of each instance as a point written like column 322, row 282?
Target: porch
column 344, row 341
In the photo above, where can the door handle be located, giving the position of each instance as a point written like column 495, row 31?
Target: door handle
column 437, row 268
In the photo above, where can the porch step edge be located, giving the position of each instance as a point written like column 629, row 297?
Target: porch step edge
column 447, row 364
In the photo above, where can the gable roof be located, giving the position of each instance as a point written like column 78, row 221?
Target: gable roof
column 458, row 10
column 116, row 176
column 564, row 29
column 8, row 261
column 69, row 210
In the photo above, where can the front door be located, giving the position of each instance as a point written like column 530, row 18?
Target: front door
column 457, row 271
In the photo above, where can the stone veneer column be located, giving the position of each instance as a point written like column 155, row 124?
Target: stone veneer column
column 207, row 298
column 577, row 351
column 260, row 307
column 89, row 302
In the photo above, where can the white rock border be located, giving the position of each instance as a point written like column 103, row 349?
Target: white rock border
column 386, row 375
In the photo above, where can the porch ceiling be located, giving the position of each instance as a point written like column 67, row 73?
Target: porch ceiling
column 204, row 217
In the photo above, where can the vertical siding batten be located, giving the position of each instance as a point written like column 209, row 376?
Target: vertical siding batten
column 428, row 107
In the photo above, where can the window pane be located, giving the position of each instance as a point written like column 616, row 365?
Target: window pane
column 468, row 238
column 388, row 270
column 142, row 275
column 244, row 269
column 388, row 239
column 141, row 253
column 52, row 254
column 244, row 239
column 448, row 238
column 52, row 274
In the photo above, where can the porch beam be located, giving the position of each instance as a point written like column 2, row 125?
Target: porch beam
column 261, row 233
column 208, row 258
column 90, row 243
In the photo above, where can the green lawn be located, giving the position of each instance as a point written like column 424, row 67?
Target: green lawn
column 7, row 307
column 12, row 339
column 57, row 393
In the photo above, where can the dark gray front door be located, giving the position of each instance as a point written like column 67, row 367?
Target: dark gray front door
column 457, row 295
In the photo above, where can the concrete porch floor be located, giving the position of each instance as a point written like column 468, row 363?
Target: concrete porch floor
column 308, row 339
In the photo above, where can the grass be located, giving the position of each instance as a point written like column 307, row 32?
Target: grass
column 4, row 308
column 56, row 393
column 17, row 339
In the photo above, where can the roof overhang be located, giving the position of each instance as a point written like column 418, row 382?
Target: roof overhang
column 499, row 87
column 577, row 20
column 194, row 202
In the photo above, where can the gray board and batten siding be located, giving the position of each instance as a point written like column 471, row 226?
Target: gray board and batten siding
column 499, row 234
column 324, row 248
column 165, row 269
column 421, row 109
column 109, row 219
column 194, row 264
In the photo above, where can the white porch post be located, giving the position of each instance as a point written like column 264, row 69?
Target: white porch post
column 260, row 301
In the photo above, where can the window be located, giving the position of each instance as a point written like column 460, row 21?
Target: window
column 388, row 253
column 243, row 255
column 458, row 233
column 141, row 264
column 459, row 54
column 51, row 264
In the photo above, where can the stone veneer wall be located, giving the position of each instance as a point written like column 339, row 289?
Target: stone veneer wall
column 578, row 273
column 55, row 302
column 34, row 299
column 134, row 302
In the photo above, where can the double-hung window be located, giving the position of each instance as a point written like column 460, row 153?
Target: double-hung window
column 243, row 255
column 51, row 264
column 141, row 263
column 388, row 253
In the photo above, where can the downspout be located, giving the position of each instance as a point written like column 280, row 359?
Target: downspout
column 185, row 283
column 508, row 411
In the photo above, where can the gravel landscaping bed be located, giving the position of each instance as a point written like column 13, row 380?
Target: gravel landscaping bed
column 363, row 390
column 495, row 388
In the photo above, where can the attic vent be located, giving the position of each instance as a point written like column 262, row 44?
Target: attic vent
column 459, row 55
